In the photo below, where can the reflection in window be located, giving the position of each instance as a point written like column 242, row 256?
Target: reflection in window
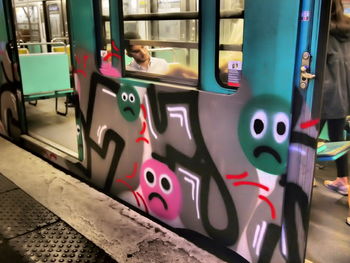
column 28, row 26
column 346, row 4
column 231, row 37
column 104, row 44
column 171, row 40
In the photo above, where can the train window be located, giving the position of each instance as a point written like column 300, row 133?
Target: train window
column 230, row 42
column 103, row 34
column 346, row 4
column 28, row 23
column 161, row 39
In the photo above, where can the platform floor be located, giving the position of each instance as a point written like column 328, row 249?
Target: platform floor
column 329, row 235
column 31, row 233
column 29, row 229
column 47, row 126
column 72, row 213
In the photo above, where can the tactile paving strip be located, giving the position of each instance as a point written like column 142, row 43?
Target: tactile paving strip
column 20, row 213
column 58, row 243
column 6, row 184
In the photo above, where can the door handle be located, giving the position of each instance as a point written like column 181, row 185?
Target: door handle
column 305, row 75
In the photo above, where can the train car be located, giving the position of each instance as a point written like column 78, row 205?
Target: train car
column 218, row 144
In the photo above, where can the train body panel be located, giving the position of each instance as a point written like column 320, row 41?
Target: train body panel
column 211, row 162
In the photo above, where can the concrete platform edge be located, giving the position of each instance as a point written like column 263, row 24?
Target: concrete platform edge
column 124, row 234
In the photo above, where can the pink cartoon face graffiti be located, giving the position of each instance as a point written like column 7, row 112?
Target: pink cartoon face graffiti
column 161, row 189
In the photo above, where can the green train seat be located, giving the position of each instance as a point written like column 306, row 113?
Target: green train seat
column 45, row 75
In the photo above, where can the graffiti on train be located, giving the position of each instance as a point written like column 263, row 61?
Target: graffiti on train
column 205, row 164
column 9, row 86
column 162, row 150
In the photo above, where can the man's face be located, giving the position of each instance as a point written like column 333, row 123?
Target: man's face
column 139, row 53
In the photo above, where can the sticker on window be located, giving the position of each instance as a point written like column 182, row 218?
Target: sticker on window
column 305, row 16
column 234, row 73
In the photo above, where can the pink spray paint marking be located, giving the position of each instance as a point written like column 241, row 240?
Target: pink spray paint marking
column 108, row 70
column 161, row 189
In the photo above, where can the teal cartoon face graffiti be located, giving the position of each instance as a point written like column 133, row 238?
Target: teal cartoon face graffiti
column 264, row 132
column 128, row 102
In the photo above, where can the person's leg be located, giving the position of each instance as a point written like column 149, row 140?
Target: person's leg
column 336, row 133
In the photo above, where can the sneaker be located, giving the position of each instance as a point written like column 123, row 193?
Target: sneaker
column 348, row 220
column 336, row 187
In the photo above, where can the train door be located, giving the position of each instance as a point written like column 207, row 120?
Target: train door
column 10, row 110
column 46, row 74
column 230, row 147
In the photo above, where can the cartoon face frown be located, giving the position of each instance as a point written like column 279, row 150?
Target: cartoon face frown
column 264, row 133
column 161, row 189
column 129, row 102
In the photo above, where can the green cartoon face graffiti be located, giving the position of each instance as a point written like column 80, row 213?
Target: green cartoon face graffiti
column 129, row 103
column 264, row 131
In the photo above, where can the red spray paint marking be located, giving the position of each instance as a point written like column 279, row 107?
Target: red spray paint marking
column 130, row 188
column 142, row 139
column 86, row 57
column 79, row 62
column 133, row 172
column 143, row 128
column 309, row 124
column 237, row 176
column 144, row 112
column 114, row 46
column 81, row 72
column 52, row 156
column 233, row 84
column 143, row 201
column 110, row 54
column 273, row 210
column 252, row 184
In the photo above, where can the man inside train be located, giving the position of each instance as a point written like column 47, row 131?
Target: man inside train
column 142, row 60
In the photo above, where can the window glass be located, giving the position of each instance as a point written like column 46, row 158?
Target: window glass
column 105, row 28
column 346, row 4
column 27, row 20
column 230, row 43
column 104, row 44
column 171, row 43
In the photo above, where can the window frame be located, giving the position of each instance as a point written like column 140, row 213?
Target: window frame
column 185, row 15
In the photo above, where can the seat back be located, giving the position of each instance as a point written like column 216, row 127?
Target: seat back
column 44, row 73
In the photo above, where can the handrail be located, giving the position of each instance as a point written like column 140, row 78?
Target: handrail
column 228, row 47
column 178, row 44
column 159, row 43
column 44, row 43
column 228, row 14
column 59, row 38
column 163, row 49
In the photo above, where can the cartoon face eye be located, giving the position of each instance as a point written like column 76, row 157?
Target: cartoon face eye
column 258, row 124
column 150, row 177
column 165, row 184
column 280, row 127
column 124, row 96
column 131, row 98
column 78, row 129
